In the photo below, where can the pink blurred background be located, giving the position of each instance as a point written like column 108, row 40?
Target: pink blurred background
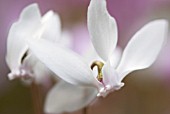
column 145, row 92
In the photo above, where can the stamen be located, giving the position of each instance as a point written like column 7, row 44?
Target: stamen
column 99, row 65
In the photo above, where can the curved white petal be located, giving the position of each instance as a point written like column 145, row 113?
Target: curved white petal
column 66, row 39
column 65, row 97
column 102, row 28
column 111, row 77
column 28, row 22
column 36, row 68
column 115, row 57
column 143, row 48
column 51, row 26
column 30, row 14
column 63, row 62
column 90, row 54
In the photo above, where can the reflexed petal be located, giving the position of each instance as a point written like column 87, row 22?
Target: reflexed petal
column 23, row 29
column 115, row 57
column 102, row 28
column 36, row 68
column 111, row 77
column 41, row 72
column 90, row 55
column 65, row 97
column 30, row 14
column 143, row 48
column 66, row 39
column 63, row 62
column 51, row 26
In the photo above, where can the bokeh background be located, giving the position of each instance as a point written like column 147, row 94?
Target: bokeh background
column 145, row 92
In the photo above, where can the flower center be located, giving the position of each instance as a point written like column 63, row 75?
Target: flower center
column 99, row 66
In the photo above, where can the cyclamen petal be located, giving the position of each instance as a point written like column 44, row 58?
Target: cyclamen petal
column 111, row 77
column 143, row 49
column 51, row 26
column 65, row 97
column 35, row 68
column 102, row 28
column 115, row 57
column 68, row 65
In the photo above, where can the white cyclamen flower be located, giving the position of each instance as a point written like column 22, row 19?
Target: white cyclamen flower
column 140, row 53
column 30, row 26
column 22, row 62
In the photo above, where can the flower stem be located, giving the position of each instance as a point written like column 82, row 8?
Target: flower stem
column 36, row 97
column 85, row 110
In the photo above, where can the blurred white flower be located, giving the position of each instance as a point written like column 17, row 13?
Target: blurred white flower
column 23, row 64
column 31, row 25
